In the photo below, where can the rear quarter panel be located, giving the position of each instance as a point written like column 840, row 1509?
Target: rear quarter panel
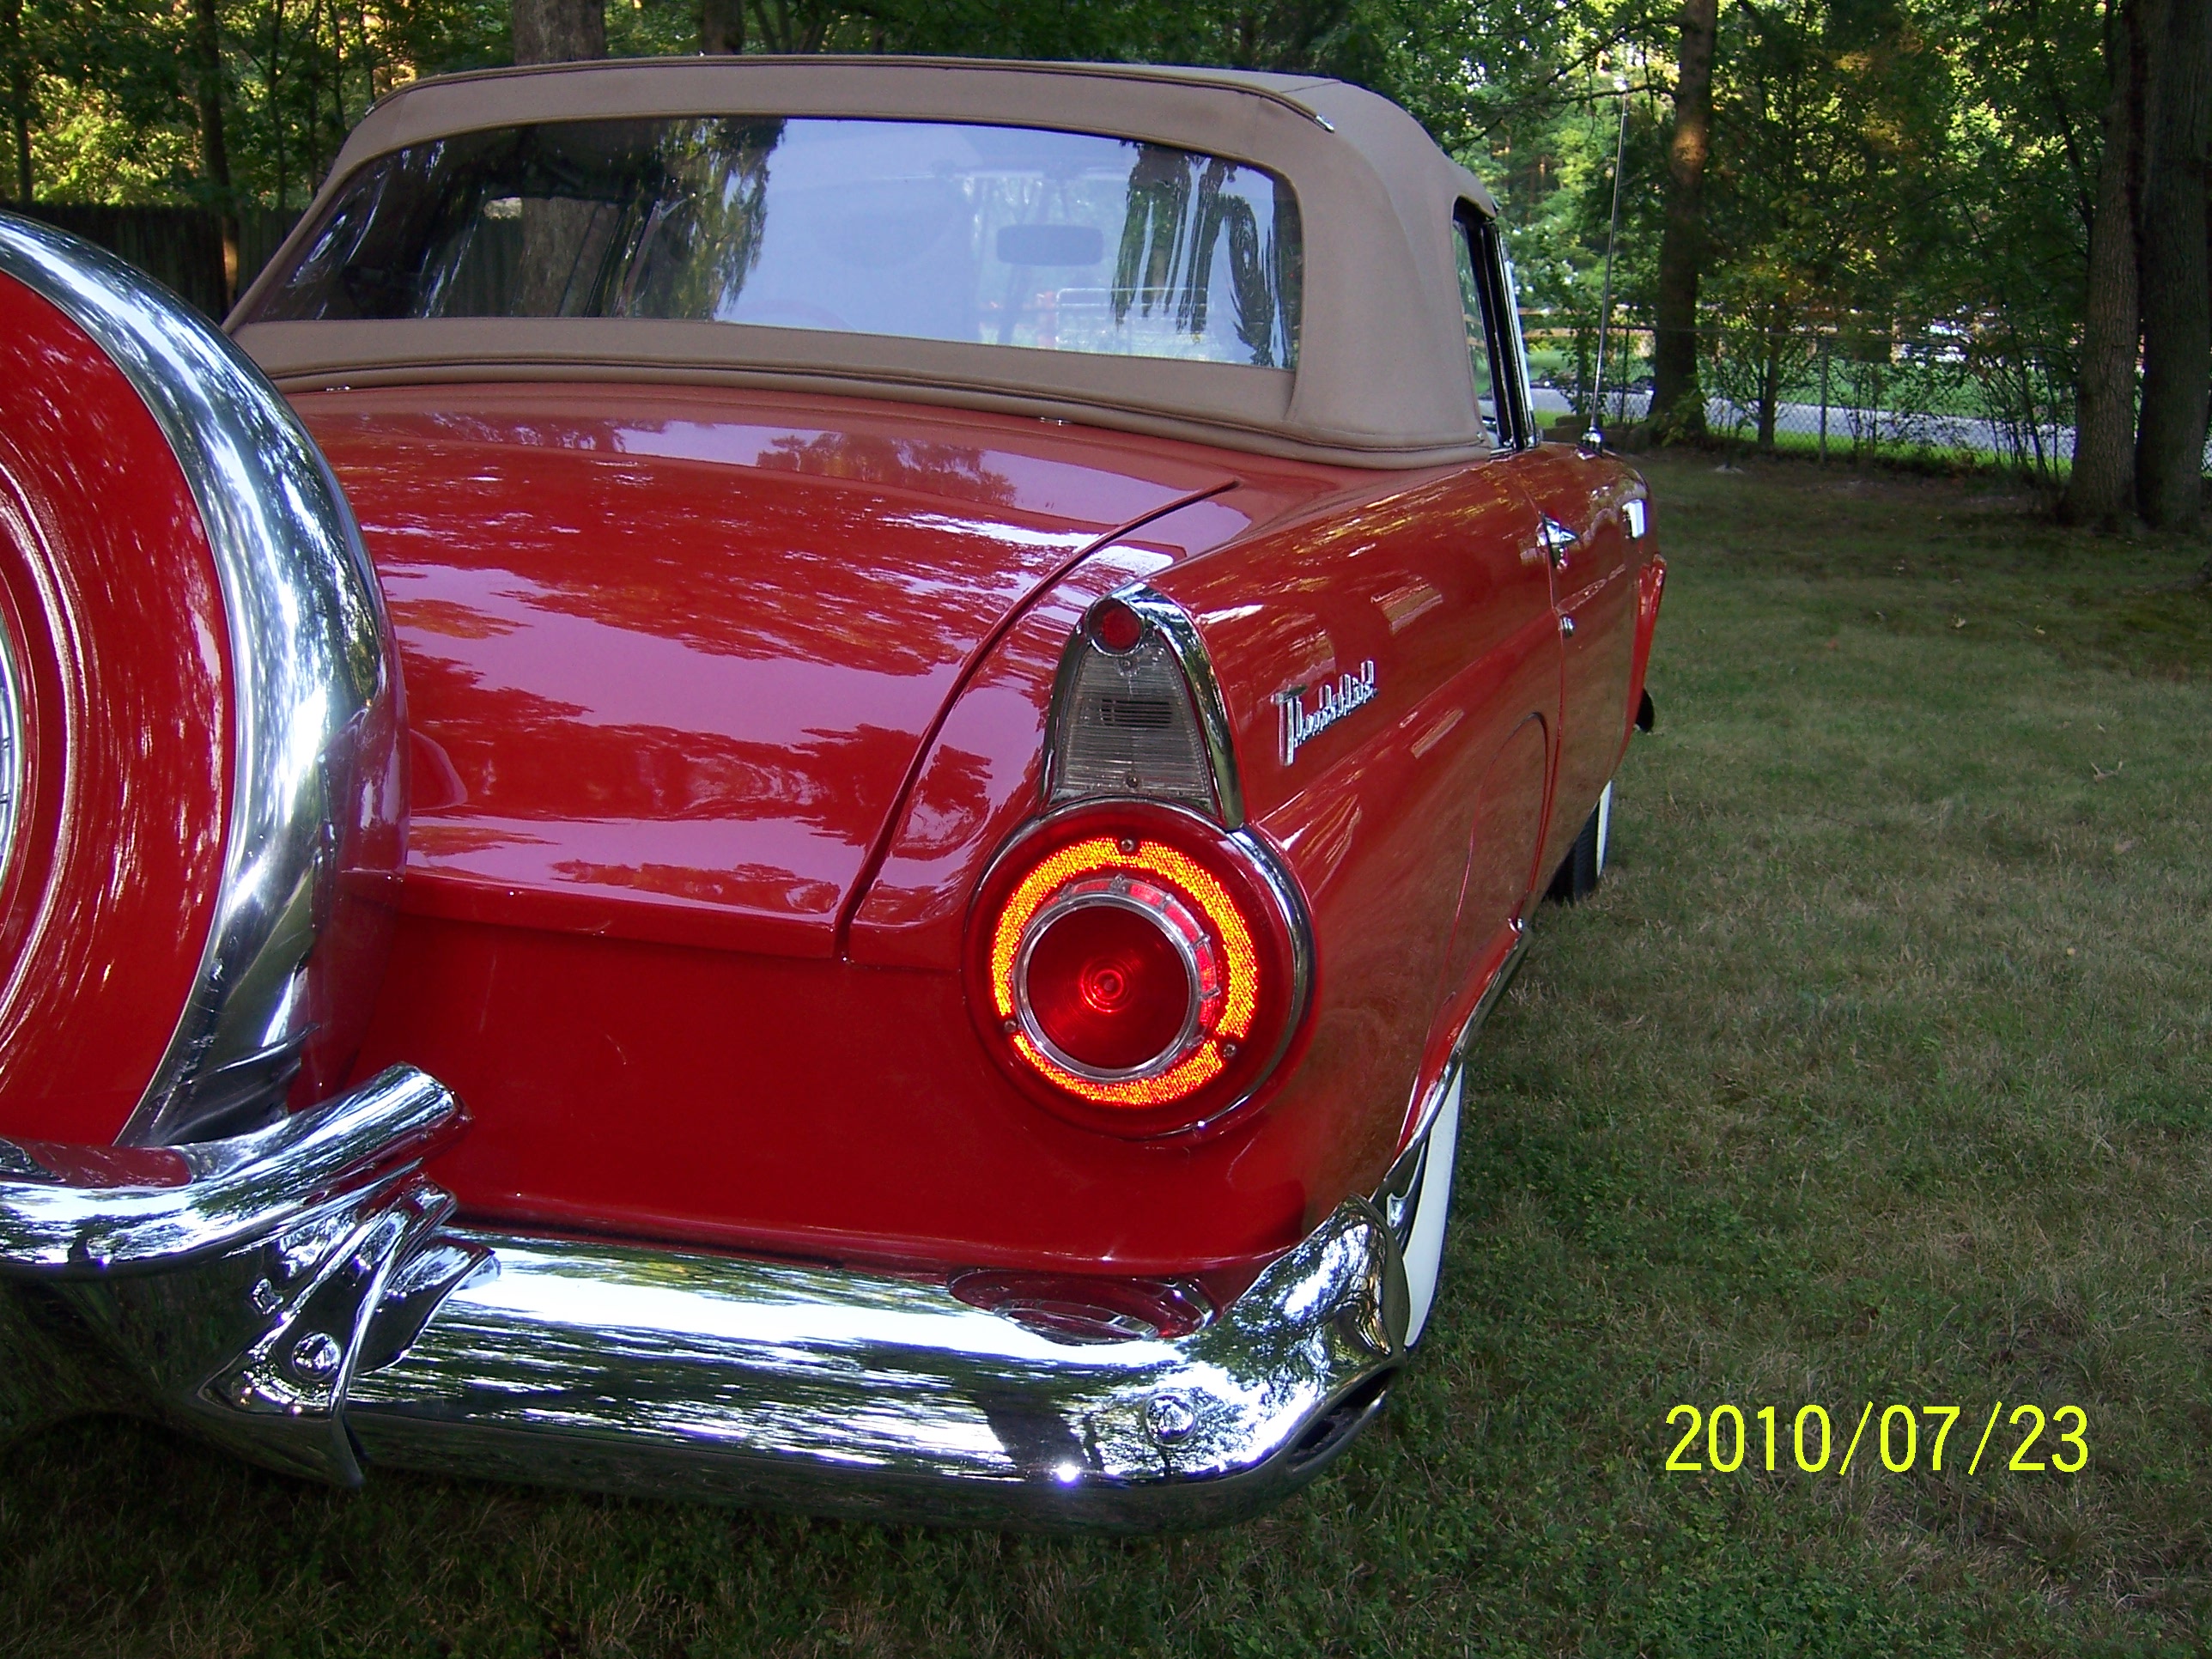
column 1438, row 591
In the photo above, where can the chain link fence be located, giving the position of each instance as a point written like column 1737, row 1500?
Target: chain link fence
column 1959, row 397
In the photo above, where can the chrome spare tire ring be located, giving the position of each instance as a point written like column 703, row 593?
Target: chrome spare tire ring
column 317, row 792
column 11, row 752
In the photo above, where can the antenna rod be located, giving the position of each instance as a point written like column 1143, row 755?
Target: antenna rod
column 1595, row 436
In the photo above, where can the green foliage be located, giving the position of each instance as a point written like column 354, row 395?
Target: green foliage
column 1879, row 166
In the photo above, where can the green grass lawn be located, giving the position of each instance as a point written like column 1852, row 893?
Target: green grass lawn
column 1879, row 1071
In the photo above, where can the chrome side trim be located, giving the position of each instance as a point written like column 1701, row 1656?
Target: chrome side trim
column 1163, row 617
column 298, row 1295
column 1415, row 1197
column 315, row 793
column 1400, row 1191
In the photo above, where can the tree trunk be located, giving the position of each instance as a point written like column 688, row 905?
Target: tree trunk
column 207, row 56
column 559, row 31
column 338, row 83
column 721, row 25
column 275, row 108
column 19, row 93
column 2102, row 489
column 2177, row 299
column 215, row 155
column 1770, row 385
column 1678, row 406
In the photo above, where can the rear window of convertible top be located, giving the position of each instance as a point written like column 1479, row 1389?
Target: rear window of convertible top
column 1007, row 236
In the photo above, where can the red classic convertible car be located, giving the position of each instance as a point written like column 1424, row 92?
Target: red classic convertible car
column 790, row 781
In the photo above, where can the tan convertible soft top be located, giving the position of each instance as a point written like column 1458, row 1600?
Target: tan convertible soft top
column 1381, row 378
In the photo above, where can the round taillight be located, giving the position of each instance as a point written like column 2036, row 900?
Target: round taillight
column 1135, row 967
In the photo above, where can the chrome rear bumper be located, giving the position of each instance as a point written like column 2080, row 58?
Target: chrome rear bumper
column 299, row 1296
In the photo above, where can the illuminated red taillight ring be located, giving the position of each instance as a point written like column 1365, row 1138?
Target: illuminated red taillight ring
column 1223, row 927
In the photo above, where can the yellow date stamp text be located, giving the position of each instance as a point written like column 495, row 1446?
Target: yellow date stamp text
column 1907, row 1438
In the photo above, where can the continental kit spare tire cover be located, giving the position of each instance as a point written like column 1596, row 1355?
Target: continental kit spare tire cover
column 203, row 812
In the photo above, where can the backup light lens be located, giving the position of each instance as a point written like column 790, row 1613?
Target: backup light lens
column 1126, row 724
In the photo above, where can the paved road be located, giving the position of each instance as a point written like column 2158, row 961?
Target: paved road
column 1964, row 432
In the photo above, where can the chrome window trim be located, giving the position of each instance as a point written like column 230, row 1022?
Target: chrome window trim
column 313, row 690
column 1163, row 617
column 1510, row 292
column 1511, row 402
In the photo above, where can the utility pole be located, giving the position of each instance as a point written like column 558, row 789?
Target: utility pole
column 1594, row 438
column 1824, row 397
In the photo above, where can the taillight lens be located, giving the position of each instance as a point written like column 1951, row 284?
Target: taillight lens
column 1136, row 967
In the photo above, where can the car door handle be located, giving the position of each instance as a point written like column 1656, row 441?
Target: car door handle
column 1560, row 540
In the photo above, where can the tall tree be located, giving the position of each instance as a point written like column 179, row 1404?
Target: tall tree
column 721, row 25
column 1678, row 405
column 214, row 153
column 206, row 92
column 17, row 62
column 2102, row 489
column 2177, row 300
column 557, row 31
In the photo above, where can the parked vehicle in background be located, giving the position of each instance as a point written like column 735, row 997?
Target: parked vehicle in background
column 794, row 782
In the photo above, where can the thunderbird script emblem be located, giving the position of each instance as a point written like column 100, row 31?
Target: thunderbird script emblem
column 1331, row 704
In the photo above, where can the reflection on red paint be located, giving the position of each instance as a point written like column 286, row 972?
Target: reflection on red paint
column 672, row 654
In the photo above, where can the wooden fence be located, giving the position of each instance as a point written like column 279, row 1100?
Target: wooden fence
column 182, row 246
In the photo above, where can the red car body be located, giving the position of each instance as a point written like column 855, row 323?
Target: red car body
column 719, row 701
column 697, row 810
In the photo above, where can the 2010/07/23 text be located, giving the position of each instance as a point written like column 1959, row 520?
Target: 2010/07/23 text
column 1725, row 1440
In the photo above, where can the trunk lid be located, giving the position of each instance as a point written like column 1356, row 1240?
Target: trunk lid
column 671, row 653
